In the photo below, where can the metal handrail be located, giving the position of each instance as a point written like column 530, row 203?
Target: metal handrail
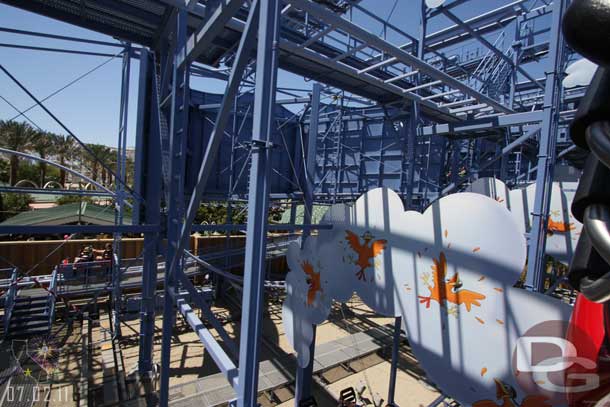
column 9, row 303
column 489, row 56
column 52, row 297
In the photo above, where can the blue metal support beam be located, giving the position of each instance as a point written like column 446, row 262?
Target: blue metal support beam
column 304, row 375
column 203, row 305
column 413, row 130
column 546, row 155
column 264, row 108
column 484, row 123
column 199, row 41
column 147, row 174
column 409, row 131
column 120, row 190
column 485, row 165
column 395, row 358
column 489, row 46
column 224, row 363
column 246, row 45
column 401, row 56
column 486, row 22
column 177, row 155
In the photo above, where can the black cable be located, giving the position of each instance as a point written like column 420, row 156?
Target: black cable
column 72, row 82
column 87, row 149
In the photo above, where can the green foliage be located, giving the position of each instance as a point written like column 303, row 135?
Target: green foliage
column 12, row 204
column 28, row 171
column 67, row 199
column 16, row 136
column 53, row 174
column 275, row 213
column 4, row 171
column 20, row 136
column 216, row 213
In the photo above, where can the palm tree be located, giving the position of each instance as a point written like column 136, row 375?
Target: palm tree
column 100, row 151
column 43, row 143
column 16, row 136
column 63, row 149
column 108, row 158
column 129, row 171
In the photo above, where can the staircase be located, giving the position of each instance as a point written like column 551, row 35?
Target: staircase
column 28, row 312
column 29, row 317
column 493, row 73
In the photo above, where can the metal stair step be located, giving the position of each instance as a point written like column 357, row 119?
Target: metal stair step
column 28, row 311
column 32, row 304
column 30, row 317
column 27, row 324
column 25, row 301
column 30, row 299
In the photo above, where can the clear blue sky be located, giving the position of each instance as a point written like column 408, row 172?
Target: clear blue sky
column 90, row 108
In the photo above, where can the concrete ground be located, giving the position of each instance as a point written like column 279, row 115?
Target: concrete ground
column 190, row 361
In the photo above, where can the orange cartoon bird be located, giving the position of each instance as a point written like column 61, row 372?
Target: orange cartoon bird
column 313, row 279
column 506, row 394
column 365, row 251
column 443, row 291
column 559, row 227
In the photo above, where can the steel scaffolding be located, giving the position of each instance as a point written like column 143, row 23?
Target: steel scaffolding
column 423, row 114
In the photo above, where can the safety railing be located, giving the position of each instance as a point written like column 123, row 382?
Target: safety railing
column 83, row 274
column 9, row 303
column 51, row 299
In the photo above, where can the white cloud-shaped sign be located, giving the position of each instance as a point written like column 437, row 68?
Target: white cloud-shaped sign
column 308, row 297
column 579, row 73
column 563, row 229
column 449, row 272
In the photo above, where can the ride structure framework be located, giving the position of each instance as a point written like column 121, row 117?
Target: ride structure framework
column 424, row 115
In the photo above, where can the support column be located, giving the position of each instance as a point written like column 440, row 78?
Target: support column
column 395, row 357
column 410, row 132
column 146, row 184
column 258, row 203
column 304, row 375
column 120, row 190
column 456, row 148
column 546, row 156
column 415, row 112
column 175, row 216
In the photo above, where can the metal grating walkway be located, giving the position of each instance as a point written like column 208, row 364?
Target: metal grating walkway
column 215, row 390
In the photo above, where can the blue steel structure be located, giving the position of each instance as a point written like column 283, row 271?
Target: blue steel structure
column 424, row 115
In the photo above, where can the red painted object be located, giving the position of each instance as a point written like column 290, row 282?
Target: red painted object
column 589, row 334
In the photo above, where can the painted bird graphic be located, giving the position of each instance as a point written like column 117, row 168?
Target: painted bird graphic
column 506, row 395
column 559, row 227
column 448, row 291
column 313, row 279
column 367, row 251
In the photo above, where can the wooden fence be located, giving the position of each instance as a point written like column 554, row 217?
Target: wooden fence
column 43, row 255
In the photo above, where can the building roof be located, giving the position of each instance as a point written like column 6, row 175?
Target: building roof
column 84, row 212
